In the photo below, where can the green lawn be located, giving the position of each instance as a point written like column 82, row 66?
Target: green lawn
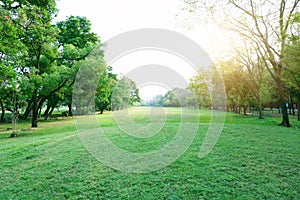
column 253, row 159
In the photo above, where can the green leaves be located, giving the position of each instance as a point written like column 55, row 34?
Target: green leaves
column 124, row 94
column 53, row 53
column 76, row 31
column 198, row 86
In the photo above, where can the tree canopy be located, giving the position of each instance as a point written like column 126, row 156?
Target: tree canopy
column 39, row 59
column 267, row 49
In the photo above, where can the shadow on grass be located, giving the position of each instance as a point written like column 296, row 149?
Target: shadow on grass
column 45, row 127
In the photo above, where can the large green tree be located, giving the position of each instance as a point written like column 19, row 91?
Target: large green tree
column 12, row 52
column 72, row 47
column 39, row 37
column 52, row 53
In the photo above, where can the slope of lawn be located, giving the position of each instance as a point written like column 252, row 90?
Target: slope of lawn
column 253, row 159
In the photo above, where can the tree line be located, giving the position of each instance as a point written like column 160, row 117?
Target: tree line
column 39, row 60
column 263, row 69
column 177, row 97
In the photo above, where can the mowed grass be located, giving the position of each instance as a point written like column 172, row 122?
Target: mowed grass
column 253, row 159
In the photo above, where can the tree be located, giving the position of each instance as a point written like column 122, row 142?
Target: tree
column 86, row 83
column 39, row 35
column 267, row 24
column 124, row 94
column 198, row 86
column 52, row 102
column 62, row 65
column 236, row 85
column 7, row 75
column 156, row 101
column 10, row 47
column 76, row 43
column 292, row 57
column 11, row 54
column 105, row 87
column 177, row 97
column 52, row 53
column 249, row 58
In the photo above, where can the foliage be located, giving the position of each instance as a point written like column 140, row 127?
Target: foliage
column 105, row 87
column 76, row 31
column 177, row 97
column 124, row 94
column 198, row 86
column 268, row 25
column 51, row 52
column 292, row 58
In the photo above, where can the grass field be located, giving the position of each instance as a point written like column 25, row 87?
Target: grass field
column 253, row 159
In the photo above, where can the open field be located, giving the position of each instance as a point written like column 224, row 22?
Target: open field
column 253, row 159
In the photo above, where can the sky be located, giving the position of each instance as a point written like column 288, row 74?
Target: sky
column 112, row 17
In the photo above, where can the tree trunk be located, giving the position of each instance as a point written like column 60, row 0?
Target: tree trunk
column 282, row 100
column 46, row 111
column 40, row 106
column 50, row 113
column 298, row 109
column 285, row 117
column 46, row 114
column 291, row 104
column 2, row 111
column 40, row 111
column 27, row 111
column 292, row 108
column 14, row 115
column 70, row 109
column 14, row 124
column 35, row 110
column 260, row 112
column 236, row 110
column 245, row 110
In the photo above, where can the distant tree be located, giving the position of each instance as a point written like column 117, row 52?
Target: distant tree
column 250, row 60
column 177, row 97
column 236, row 85
column 156, row 101
column 124, row 94
column 86, row 83
column 105, row 87
column 198, row 86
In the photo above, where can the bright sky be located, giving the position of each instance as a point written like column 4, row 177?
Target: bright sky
column 113, row 17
